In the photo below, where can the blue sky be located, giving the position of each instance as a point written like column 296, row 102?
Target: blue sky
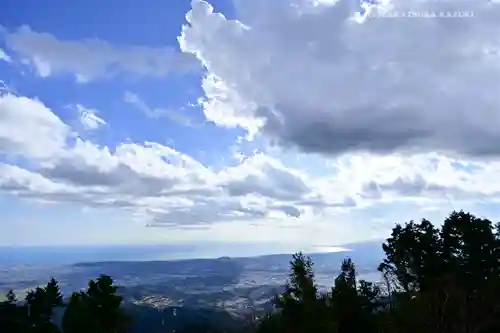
column 154, row 25
column 292, row 121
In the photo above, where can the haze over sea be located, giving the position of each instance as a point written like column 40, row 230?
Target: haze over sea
column 64, row 255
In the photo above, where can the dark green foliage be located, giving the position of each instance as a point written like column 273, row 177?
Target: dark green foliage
column 96, row 311
column 437, row 280
column 300, row 290
column 53, row 293
column 11, row 297
column 35, row 315
column 39, row 308
column 77, row 315
column 298, row 309
column 452, row 275
column 11, row 315
column 182, row 320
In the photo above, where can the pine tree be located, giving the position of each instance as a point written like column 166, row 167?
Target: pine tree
column 11, row 315
column 40, row 304
column 96, row 311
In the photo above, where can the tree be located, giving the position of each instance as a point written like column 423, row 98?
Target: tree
column 98, row 310
column 53, row 293
column 11, row 297
column 299, row 309
column 77, row 316
column 450, row 277
column 440, row 280
column 296, row 303
column 11, row 316
column 301, row 288
column 470, row 248
column 352, row 304
column 39, row 307
column 412, row 256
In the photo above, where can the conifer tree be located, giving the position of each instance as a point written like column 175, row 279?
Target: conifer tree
column 98, row 310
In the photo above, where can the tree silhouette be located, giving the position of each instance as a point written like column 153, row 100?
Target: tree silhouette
column 39, row 308
column 11, row 315
column 299, row 291
column 77, row 316
column 442, row 280
column 97, row 311
column 11, row 297
column 450, row 276
column 299, row 309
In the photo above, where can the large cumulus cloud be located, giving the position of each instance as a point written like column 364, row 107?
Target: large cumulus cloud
column 307, row 75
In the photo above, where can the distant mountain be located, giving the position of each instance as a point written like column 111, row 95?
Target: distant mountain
column 186, row 295
column 237, row 285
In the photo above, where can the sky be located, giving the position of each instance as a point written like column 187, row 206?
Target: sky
column 312, row 122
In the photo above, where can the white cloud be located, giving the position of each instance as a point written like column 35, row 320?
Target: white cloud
column 4, row 56
column 162, row 187
column 173, row 188
column 419, row 178
column 168, row 186
column 90, row 59
column 308, row 76
column 305, row 76
column 88, row 118
column 29, row 128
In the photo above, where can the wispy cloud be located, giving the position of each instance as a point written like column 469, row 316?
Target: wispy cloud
column 4, row 56
column 88, row 118
column 152, row 112
column 90, row 59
